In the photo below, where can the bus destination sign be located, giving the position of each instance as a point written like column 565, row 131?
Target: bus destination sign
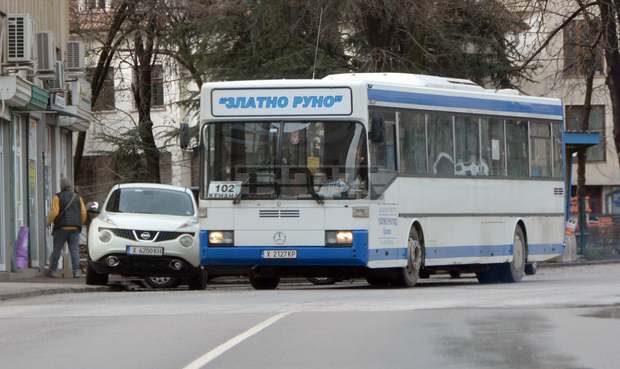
column 281, row 101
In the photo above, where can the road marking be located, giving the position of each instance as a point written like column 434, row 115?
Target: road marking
column 216, row 352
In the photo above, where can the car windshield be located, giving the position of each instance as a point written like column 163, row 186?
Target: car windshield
column 290, row 160
column 150, row 201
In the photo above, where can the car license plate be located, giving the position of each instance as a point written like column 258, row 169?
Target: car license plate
column 145, row 250
column 279, row 254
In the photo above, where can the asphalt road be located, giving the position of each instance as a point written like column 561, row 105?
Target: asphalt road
column 560, row 318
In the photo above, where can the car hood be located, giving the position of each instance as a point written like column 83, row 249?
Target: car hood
column 150, row 222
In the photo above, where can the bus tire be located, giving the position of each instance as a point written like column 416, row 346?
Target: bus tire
column 199, row 281
column 259, row 282
column 531, row 268
column 515, row 270
column 409, row 275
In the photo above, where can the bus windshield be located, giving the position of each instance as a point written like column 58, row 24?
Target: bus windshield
column 290, row 160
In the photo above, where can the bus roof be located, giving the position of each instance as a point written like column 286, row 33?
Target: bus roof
column 356, row 91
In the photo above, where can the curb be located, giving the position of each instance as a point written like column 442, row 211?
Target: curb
column 50, row 291
column 578, row 263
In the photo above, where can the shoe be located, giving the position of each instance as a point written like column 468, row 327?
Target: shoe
column 50, row 274
column 77, row 275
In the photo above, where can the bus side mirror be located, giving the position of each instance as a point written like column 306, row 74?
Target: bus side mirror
column 184, row 135
column 376, row 128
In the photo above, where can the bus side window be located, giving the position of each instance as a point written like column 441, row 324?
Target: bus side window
column 540, row 143
column 492, row 146
column 412, row 135
column 558, row 160
column 440, row 144
column 383, row 154
column 467, row 147
column 517, row 148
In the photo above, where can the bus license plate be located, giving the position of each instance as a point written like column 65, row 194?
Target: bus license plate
column 279, row 254
column 145, row 250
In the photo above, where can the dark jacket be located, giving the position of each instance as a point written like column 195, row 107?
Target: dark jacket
column 70, row 212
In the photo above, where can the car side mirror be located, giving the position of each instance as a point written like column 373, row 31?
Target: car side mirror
column 376, row 128
column 93, row 207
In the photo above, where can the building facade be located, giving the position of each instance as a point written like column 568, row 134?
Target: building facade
column 41, row 108
column 115, row 113
column 560, row 73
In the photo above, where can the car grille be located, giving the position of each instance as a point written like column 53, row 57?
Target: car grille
column 167, row 236
column 154, row 235
column 123, row 233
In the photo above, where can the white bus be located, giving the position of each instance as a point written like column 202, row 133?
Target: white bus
column 387, row 176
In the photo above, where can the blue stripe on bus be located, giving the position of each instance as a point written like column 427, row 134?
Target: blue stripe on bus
column 417, row 98
column 357, row 255
column 446, row 252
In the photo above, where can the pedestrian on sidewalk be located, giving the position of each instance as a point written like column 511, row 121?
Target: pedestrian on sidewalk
column 67, row 216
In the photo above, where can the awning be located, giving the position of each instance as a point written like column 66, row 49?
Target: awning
column 15, row 91
column 580, row 140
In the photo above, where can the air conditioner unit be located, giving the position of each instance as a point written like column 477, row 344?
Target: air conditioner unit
column 46, row 52
column 20, row 39
column 58, row 82
column 74, row 56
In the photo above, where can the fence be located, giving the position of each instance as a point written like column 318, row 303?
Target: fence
column 602, row 237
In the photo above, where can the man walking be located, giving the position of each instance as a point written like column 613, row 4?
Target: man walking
column 68, row 214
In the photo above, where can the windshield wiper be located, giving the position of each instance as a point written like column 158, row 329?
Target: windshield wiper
column 237, row 198
column 310, row 185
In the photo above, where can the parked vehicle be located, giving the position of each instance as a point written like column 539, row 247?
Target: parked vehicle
column 149, row 231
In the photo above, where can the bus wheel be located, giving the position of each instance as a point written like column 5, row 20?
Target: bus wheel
column 409, row 275
column 264, row 282
column 514, row 271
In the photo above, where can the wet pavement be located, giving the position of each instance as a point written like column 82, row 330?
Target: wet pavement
column 564, row 318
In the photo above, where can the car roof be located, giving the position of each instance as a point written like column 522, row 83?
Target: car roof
column 158, row 186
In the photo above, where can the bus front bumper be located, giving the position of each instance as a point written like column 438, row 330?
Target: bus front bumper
column 354, row 255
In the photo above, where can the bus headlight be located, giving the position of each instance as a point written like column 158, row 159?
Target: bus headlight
column 338, row 238
column 222, row 238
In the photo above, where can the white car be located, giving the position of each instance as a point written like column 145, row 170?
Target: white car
column 146, row 230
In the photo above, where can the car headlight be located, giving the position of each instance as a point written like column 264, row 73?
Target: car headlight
column 338, row 238
column 105, row 236
column 186, row 240
column 221, row 238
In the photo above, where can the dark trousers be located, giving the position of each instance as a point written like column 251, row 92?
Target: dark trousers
column 71, row 237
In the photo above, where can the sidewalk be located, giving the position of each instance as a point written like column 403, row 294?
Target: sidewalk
column 39, row 286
